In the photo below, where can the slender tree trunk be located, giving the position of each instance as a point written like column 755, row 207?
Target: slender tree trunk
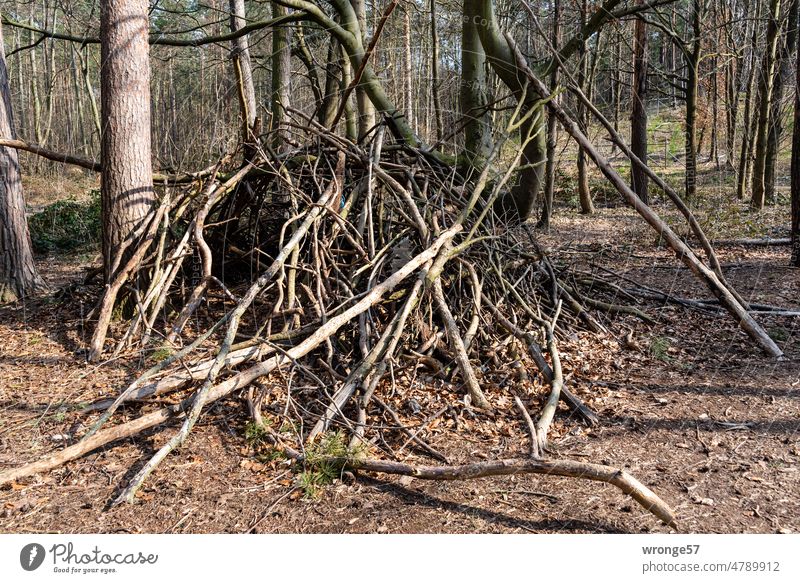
column 334, row 67
column 617, row 80
column 693, row 66
column 765, row 86
column 783, row 71
column 477, row 128
column 127, row 181
column 281, row 75
column 584, row 193
column 437, row 105
column 795, row 172
column 18, row 275
column 639, row 107
column 90, row 92
column 366, row 109
column 408, row 72
column 552, row 130
column 743, row 175
column 351, row 116
column 243, row 73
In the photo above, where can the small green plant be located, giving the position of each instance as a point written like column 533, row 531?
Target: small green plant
column 271, row 454
column 255, row 433
column 659, row 348
column 161, row 353
column 66, row 225
column 325, row 461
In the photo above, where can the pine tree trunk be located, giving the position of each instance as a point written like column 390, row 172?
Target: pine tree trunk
column 127, row 181
column 18, row 274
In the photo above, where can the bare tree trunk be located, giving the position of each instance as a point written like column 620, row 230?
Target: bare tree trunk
column 765, row 87
column 693, row 66
column 743, row 175
column 477, row 128
column 366, row 109
column 281, row 73
column 127, row 180
column 350, row 114
column 795, row 228
column 333, row 74
column 437, row 105
column 584, row 193
column 552, row 130
column 783, row 71
column 18, row 274
column 408, row 73
column 639, row 107
column 617, row 81
column 243, row 72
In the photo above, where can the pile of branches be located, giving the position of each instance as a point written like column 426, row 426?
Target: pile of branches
column 344, row 264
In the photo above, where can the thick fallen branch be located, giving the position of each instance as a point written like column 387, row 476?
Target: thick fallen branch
column 506, row 467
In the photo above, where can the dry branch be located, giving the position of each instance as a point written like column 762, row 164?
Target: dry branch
column 683, row 252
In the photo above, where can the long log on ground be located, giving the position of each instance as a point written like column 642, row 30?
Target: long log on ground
column 683, row 251
column 648, row 499
column 235, row 382
column 767, row 242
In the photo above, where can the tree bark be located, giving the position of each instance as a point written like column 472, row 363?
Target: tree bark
column 782, row 74
column 18, row 274
column 765, row 87
column 743, row 174
column 477, row 129
column 693, row 66
column 795, row 172
column 437, row 105
column 365, row 104
column 127, row 194
column 584, row 193
column 243, row 72
column 408, row 73
column 639, row 107
column 281, row 74
column 552, row 130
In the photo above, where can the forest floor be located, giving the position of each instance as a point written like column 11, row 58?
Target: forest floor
column 690, row 408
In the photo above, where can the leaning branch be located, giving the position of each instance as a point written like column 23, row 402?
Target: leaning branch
column 95, row 166
column 684, row 253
